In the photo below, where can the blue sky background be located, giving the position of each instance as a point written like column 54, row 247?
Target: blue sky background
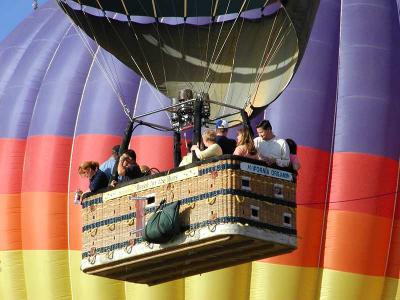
column 12, row 12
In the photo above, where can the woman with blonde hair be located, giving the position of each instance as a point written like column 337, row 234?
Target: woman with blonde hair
column 245, row 145
column 209, row 140
column 97, row 178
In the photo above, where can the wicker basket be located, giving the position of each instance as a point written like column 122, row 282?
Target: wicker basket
column 232, row 202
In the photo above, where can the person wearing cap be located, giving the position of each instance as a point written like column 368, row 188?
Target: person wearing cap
column 227, row 145
column 108, row 166
column 272, row 150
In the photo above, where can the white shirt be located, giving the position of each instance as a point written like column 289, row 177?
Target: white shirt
column 213, row 150
column 273, row 148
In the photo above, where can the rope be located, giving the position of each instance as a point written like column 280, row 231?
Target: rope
column 224, row 42
column 271, row 54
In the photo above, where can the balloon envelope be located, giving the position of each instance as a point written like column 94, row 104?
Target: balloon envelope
column 242, row 53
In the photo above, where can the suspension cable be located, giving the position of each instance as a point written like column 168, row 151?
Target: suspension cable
column 270, row 57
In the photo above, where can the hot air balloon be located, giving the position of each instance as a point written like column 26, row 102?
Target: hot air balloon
column 347, row 208
column 203, row 46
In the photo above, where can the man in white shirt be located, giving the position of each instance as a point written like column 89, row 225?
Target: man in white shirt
column 272, row 150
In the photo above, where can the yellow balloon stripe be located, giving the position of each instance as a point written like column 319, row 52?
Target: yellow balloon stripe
column 88, row 287
column 46, row 274
column 174, row 290
column 391, row 289
column 282, row 282
column 338, row 285
column 227, row 284
column 12, row 282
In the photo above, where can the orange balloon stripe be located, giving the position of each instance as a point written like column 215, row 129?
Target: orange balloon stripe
column 75, row 225
column 12, row 152
column 354, row 242
column 309, row 230
column 363, row 183
column 357, row 242
column 44, row 221
column 10, row 222
column 393, row 268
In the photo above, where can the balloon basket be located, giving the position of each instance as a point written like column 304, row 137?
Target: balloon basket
column 232, row 210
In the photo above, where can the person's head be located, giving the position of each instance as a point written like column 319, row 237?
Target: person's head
column 264, row 130
column 221, row 127
column 209, row 137
column 243, row 136
column 88, row 169
column 115, row 151
column 128, row 158
column 292, row 146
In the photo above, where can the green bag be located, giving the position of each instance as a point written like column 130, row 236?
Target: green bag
column 163, row 224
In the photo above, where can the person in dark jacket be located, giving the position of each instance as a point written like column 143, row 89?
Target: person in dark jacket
column 227, row 145
column 97, row 178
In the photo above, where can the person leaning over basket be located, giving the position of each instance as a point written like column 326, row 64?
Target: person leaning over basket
column 128, row 169
column 209, row 140
column 97, row 178
column 245, row 145
column 272, row 150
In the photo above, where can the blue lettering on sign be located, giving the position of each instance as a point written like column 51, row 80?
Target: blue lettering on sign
column 257, row 169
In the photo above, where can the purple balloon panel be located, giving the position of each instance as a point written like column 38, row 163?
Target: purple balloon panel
column 100, row 111
column 25, row 82
column 305, row 110
column 368, row 113
column 61, row 90
column 15, row 44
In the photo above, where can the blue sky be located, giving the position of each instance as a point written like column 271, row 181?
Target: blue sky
column 12, row 12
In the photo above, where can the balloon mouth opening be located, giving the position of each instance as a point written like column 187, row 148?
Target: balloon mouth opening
column 251, row 14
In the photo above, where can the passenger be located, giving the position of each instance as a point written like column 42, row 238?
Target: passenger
column 97, row 178
column 128, row 169
column 227, row 145
column 245, row 145
column 187, row 159
column 108, row 166
column 272, row 150
column 209, row 140
column 294, row 160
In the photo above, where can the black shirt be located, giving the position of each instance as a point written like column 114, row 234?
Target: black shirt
column 98, row 181
column 132, row 173
column 227, row 145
